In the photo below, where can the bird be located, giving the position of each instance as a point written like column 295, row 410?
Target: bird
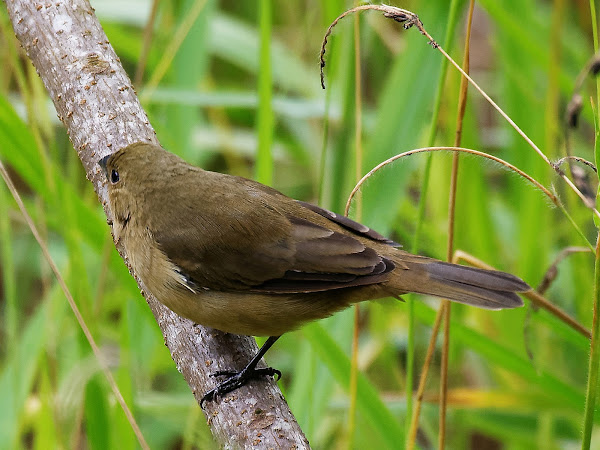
column 236, row 255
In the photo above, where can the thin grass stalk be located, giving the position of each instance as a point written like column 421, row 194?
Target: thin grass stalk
column 462, row 104
column 353, row 379
column 358, row 157
column 265, row 117
column 146, row 43
column 596, row 116
column 594, row 361
column 551, row 112
column 414, row 423
column 443, row 404
column 410, row 299
column 591, row 391
column 169, row 54
column 323, row 157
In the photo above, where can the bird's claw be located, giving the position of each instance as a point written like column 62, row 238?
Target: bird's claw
column 236, row 380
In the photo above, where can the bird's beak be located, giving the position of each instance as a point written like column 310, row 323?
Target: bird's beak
column 103, row 161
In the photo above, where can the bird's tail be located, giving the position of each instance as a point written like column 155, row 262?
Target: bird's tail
column 489, row 289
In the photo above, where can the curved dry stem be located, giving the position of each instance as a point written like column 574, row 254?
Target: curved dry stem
column 86, row 331
column 529, row 178
column 400, row 15
column 579, row 159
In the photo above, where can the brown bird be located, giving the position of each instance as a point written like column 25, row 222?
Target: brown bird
column 241, row 257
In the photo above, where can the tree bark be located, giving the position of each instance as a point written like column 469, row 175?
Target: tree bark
column 96, row 101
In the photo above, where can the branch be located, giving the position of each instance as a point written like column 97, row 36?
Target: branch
column 97, row 103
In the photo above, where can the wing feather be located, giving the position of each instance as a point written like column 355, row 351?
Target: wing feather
column 257, row 247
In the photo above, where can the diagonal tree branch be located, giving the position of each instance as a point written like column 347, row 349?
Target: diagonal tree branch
column 97, row 103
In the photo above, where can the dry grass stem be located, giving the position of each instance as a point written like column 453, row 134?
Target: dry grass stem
column 146, row 42
column 585, row 162
column 535, row 297
column 462, row 104
column 358, row 157
column 400, row 15
column 388, row 161
column 414, row 424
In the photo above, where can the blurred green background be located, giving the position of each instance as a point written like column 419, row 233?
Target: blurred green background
column 516, row 378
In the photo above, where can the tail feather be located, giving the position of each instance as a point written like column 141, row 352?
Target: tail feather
column 489, row 279
column 473, row 295
column 487, row 289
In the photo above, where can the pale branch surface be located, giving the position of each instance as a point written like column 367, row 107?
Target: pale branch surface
column 97, row 103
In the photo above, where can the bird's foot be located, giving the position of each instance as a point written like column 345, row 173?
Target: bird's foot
column 237, row 380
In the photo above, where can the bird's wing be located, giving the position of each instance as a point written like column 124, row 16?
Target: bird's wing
column 325, row 259
column 254, row 246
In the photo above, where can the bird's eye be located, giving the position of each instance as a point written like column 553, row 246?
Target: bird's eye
column 114, row 176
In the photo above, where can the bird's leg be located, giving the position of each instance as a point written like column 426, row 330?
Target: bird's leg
column 238, row 379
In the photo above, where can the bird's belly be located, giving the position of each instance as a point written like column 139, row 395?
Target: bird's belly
column 238, row 312
column 251, row 313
